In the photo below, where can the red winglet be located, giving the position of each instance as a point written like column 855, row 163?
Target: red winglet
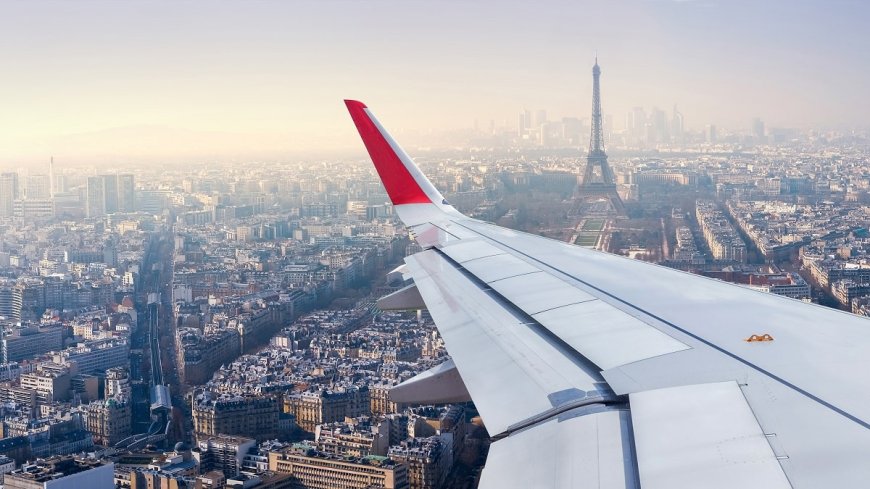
column 401, row 185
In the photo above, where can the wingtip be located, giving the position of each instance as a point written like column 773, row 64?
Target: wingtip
column 354, row 104
column 392, row 164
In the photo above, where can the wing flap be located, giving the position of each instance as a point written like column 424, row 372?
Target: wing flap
column 702, row 436
column 587, row 447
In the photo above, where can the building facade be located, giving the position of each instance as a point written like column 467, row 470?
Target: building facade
column 312, row 408
column 253, row 416
column 108, row 421
column 318, row 471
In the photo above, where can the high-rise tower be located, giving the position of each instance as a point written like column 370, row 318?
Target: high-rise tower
column 51, row 179
column 8, row 193
column 604, row 185
column 126, row 193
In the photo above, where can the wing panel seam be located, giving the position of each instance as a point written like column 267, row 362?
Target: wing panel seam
column 564, row 305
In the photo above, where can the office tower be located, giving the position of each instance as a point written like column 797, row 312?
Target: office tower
column 126, row 193
column 572, row 130
column 710, row 132
column 524, row 123
column 95, row 204
column 758, row 130
column 60, row 184
column 8, row 193
column 677, row 125
column 604, row 185
column 637, row 123
column 110, row 189
column 660, row 130
column 107, row 194
column 10, row 302
column 37, row 187
column 52, row 186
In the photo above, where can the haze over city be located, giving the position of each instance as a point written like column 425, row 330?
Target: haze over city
column 627, row 244
column 99, row 81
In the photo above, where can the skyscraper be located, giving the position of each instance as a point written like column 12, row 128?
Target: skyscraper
column 95, row 202
column 126, row 193
column 51, row 180
column 8, row 193
column 660, row 130
column 10, row 301
column 677, row 125
column 637, row 124
column 110, row 188
column 758, row 134
column 37, row 187
column 605, row 184
column 710, row 133
column 107, row 194
column 524, row 123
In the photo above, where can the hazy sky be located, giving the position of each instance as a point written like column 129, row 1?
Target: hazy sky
column 88, row 79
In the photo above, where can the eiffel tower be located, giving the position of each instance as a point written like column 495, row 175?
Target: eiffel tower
column 605, row 185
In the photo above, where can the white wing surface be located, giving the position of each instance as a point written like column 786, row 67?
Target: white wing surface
column 594, row 370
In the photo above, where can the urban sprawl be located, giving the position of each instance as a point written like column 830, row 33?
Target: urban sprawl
column 217, row 325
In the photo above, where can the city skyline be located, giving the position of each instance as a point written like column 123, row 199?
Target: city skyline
column 214, row 273
column 210, row 322
column 97, row 81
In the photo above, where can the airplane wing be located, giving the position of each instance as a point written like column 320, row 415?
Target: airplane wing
column 594, row 370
